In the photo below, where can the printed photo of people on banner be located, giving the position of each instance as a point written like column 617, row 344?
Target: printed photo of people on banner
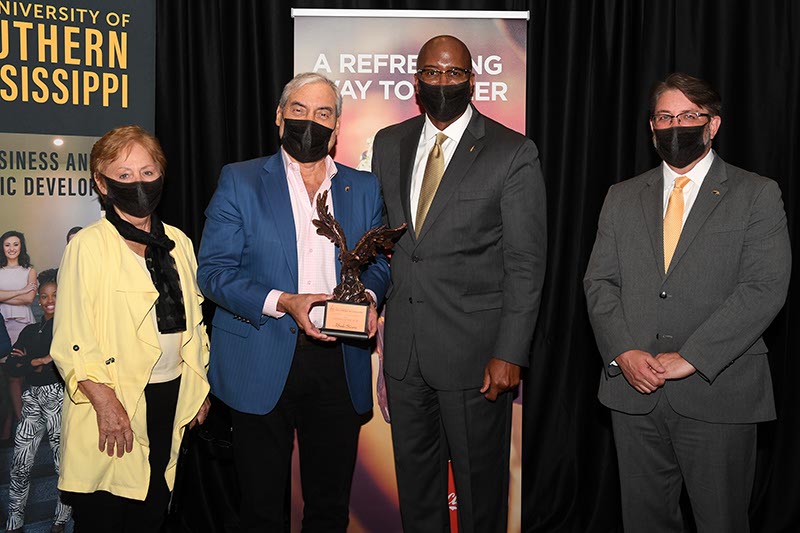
column 69, row 71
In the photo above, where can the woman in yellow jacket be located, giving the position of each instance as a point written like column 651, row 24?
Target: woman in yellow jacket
column 130, row 344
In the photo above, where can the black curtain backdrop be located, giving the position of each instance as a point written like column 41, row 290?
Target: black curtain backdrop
column 221, row 65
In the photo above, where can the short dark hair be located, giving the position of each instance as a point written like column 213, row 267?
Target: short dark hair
column 73, row 230
column 698, row 91
column 47, row 276
column 24, row 259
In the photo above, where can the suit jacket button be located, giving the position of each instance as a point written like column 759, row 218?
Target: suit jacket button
column 409, row 300
column 663, row 295
column 414, row 259
column 292, row 330
column 658, row 336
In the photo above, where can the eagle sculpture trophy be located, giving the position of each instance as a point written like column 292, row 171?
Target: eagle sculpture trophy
column 351, row 290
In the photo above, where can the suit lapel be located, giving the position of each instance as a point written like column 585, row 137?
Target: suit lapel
column 407, row 152
column 467, row 150
column 711, row 193
column 276, row 188
column 652, row 198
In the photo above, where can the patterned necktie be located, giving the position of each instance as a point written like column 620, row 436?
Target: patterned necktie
column 434, row 169
column 673, row 220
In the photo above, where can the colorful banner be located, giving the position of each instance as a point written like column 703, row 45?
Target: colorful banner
column 69, row 72
column 78, row 67
column 372, row 55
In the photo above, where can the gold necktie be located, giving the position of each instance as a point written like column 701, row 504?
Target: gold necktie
column 434, row 169
column 673, row 220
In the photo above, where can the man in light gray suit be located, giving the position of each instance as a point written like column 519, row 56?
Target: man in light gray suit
column 690, row 265
column 466, row 283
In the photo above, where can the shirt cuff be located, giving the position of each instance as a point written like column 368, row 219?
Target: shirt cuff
column 271, row 304
column 374, row 298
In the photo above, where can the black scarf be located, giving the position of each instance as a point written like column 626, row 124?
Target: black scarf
column 169, row 306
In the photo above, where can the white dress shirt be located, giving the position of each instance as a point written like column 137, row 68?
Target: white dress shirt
column 427, row 139
column 316, row 254
column 690, row 190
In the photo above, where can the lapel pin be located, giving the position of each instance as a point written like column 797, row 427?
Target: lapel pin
column 347, row 189
column 472, row 149
column 716, row 192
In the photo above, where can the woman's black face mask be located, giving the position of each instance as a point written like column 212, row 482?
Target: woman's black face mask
column 136, row 198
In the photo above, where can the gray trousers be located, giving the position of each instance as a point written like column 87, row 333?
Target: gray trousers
column 428, row 427
column 660, row 451
column 41, row 411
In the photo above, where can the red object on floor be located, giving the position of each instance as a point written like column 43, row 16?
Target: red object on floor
column 452, row 500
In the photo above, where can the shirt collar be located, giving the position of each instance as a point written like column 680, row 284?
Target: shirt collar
column 289, row 163
column 696, row 175
column 453, row 131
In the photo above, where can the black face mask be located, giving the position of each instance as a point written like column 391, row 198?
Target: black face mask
column 681, row 145
column 444, row 102
column 137, row 198
column 305, row 140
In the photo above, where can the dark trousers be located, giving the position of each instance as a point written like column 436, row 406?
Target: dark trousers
column 315, row 402
column 661, row 450
column 428, row 427
column 102, row 512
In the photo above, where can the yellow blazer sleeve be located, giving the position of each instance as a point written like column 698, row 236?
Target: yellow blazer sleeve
column 76, row 349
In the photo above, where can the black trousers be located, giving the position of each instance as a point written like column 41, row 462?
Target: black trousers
column 428, row 427
column 103, row 512
column 660, row 451
column 315, row 402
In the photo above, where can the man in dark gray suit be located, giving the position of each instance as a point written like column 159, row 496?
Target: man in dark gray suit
column 690, row 265
column 466, row 284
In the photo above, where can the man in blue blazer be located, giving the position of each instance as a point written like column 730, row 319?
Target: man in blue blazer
column 269, row 272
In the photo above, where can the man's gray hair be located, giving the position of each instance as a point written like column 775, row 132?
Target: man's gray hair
column 304, row 79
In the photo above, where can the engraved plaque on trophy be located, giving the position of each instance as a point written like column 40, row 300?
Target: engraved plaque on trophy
column 347, row 314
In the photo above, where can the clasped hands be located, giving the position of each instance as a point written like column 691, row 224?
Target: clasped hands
column 646, row 373
column 299, row 306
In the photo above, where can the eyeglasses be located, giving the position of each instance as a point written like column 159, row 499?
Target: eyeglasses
column 452, row 74
column 692, row 118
